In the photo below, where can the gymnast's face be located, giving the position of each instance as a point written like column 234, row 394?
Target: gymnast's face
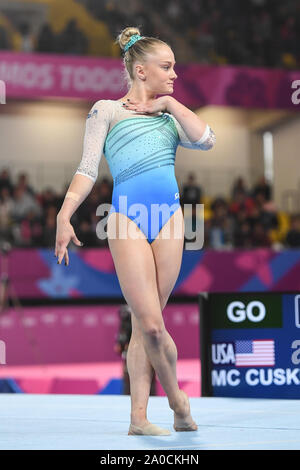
column 158, row 72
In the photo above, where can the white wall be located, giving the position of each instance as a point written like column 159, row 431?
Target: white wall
column 286, row 140
column 217, row 168
column 44, row 139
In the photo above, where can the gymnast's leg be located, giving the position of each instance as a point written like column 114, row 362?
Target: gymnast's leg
column 140, row 373
column 167, row 251
column 135, row 266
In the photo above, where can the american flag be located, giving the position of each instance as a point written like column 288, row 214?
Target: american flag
column 255, row 352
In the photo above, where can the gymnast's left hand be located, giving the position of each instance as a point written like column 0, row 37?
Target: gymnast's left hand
column 154, row 106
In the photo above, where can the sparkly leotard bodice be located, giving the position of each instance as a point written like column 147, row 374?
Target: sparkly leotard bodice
column 137, row 145
column 140, row 151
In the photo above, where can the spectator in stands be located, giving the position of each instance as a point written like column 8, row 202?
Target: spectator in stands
column 72, row 40
column 37, row 232
column 242, row 230
column 234, row 49
column 204, row 41
column 241, row 201
column 6, row 207
column 27, row 38
column 191, row 191
column 263, row 186
column 288, row 35
column 49, row 232
column 101, row 193
column 267, row 211
column 48, row 198
column 46, row 40
column 5, row 180
column 105, row 190
column 86, row 233
column 220, row 226
column 90, row 204
column 4, row 39
column 174, row 12
column 238, row 186
column 259, row 236
column 23, row 203
column 22, row 182
column 293, row 236
column 30, row 230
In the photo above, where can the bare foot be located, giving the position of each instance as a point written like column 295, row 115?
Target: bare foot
column 183, row 420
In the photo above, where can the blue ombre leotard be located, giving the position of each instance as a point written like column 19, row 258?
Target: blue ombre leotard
column 140, row 151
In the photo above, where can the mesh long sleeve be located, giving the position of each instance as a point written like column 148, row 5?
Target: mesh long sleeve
column 96, row 129
column 206, row 142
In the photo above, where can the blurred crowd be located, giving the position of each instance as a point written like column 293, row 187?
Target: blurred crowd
column 28, row 218
column 71, row 40
column 247, row 219
column 252, row 32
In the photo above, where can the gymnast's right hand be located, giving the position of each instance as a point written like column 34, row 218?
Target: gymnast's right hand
column 64, row 234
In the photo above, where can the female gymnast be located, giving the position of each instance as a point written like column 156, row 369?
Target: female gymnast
column 139, row 135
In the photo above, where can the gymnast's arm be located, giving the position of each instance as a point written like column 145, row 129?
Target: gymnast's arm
column 96, row 128
column 193, row 132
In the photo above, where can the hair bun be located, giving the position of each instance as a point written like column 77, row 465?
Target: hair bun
column 125, row 35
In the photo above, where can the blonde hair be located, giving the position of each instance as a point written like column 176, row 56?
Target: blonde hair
column 137, row 52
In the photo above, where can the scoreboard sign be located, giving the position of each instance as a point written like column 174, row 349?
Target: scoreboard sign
column 250, row 344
